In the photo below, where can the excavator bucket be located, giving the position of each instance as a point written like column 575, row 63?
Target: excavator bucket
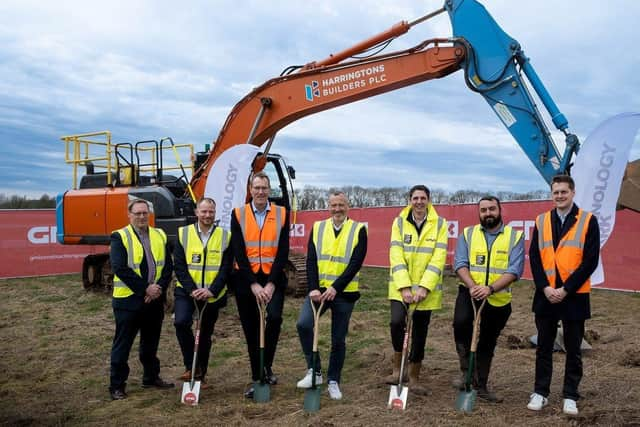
column 630, row 190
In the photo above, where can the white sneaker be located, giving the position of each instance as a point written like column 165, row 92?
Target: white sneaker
column 334, row 390
column 307, row 380
column 537, row 402
column 569, row 407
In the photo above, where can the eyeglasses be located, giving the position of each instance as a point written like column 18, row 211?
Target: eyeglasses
column 139, row 213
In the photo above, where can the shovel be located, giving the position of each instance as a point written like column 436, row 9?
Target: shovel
column 191, row 390
column 467, row 398
column 261, row 389
column 398, row 393
column 312, row 395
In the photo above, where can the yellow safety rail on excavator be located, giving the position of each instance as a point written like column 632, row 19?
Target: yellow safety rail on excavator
column 95, row 148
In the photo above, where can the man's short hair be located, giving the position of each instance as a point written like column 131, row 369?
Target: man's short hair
column 135, row 202
column 260, row 175
column 420, row 187
column 207, row 200
column 490, row 198
column 563, row 178
column 337, row 193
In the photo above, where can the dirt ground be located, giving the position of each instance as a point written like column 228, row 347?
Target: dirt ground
column 56, row 339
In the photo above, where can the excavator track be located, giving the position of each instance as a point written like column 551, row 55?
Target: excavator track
column 296, row 271
column 96, row 273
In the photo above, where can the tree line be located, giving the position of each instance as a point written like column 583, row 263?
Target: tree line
column 315, row 198
column 23, row 202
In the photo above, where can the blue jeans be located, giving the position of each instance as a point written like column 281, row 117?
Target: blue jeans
column 340, row 315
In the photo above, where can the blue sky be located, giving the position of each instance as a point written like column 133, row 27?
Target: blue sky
column 149, row 69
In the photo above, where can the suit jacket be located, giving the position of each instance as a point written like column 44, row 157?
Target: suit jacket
column 138, row 284
column 575, row 306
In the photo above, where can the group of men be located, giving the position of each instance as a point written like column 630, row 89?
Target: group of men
column 251, row 257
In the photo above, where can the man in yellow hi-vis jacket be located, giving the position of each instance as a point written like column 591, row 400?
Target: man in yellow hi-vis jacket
column 417, row 256
column 202, row 261
column 489, row 258
column 142, row 267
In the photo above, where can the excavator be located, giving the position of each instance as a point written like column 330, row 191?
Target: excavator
column 494, row 66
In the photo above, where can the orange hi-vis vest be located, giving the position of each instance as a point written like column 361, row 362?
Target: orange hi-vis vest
column 261, row 244
column 568, row 255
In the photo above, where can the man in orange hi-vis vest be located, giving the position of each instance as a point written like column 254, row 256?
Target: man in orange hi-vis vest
column 564, row 251
column 260, row 244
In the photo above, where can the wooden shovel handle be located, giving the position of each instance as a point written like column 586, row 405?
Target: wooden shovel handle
column 316, row 321
column 476, row 325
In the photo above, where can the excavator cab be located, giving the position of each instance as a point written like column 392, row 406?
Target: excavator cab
column 280, row 175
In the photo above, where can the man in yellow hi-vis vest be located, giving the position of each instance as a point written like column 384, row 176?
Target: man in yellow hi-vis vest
column 417, row 254
column 142, row 267
column 564, row 252
column 489, row 258
column 335, row 253
column 202, row 261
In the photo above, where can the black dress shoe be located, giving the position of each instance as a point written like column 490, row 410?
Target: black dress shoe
column 249, row 393
column 269, row 378
column 118, row 394
column 157, row 383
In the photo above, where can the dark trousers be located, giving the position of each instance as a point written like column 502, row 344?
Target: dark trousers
column 492, row 321
column 419, row 330
column 341, row 310
column 147, row 320
column 573, row 331
column 184, row 308
column 250, row 319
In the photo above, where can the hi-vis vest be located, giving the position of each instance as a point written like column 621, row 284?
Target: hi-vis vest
column 486, row 267
column 262, row 244
column 334, row 253
column 568, row 255
column 203, row 263
column 135, row 254
column 418, row 259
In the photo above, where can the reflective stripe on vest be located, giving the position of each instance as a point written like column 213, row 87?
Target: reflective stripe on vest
column 135, row 254
column 486, row 267
column 261, row 244
column 204, row 265
column 334, row 253
column 568, row 255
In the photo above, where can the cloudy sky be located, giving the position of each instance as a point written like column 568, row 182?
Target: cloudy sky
column 148, row 69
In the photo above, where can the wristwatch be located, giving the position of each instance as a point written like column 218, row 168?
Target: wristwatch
column 492, row 289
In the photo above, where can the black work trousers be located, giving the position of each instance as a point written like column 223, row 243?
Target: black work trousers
column 147, row 320
column 250, row 319
column 492, row 321
column 573, row 332
column 419, row 330
column 184, row 308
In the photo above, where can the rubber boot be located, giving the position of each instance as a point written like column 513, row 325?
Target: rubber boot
column 482, row 376
column 393, row 378
column 414, row 379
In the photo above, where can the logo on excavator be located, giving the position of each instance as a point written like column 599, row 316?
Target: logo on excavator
column 312, row 90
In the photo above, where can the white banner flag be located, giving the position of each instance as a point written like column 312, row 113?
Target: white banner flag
column 598, row 172
column 227, row 180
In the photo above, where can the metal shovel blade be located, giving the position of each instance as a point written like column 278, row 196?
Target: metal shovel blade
column 191, row 396
column 466, row 400
column 261, row 392
column 397, row 397
column 312, row 399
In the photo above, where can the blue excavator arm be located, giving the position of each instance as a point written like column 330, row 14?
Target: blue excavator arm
column 494, row 68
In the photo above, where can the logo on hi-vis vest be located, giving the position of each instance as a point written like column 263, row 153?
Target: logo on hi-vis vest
column 312, row 90
column 407, row 238
column 196, row 258
column 480, row 259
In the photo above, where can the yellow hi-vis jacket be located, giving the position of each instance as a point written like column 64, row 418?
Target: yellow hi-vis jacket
column 484, row 267
column 418, row 260
column 135, row 254
column 203, row 263
column 334, row 253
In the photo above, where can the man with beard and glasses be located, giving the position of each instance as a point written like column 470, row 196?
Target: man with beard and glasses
column 489, row 258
